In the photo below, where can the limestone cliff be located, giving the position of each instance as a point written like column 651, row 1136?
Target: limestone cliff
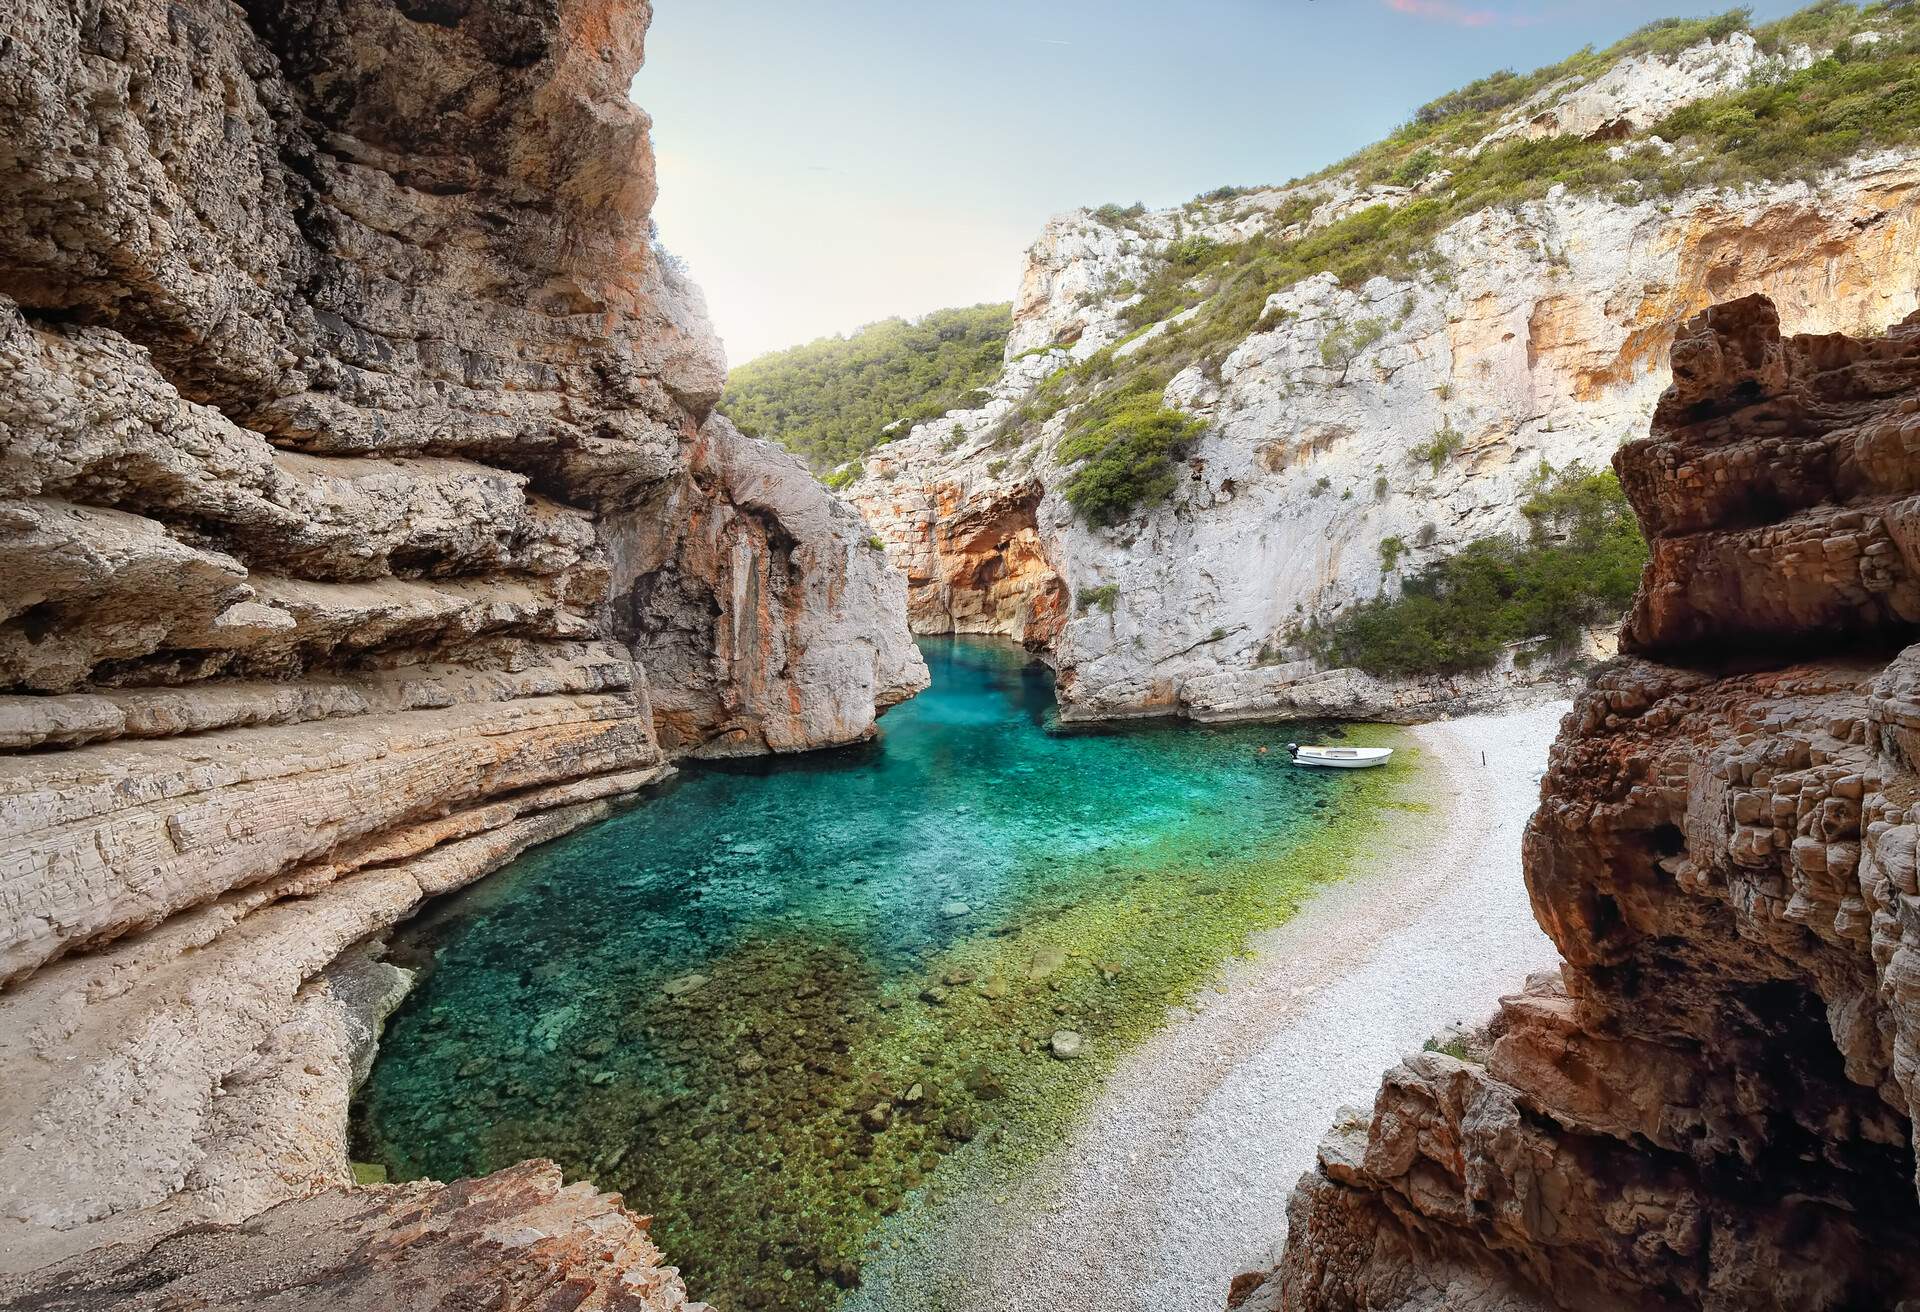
column 362, row 522
column 1712, row 1104
column 1357, row 432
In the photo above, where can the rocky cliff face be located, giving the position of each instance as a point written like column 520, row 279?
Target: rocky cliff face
column 1412, row 411
column 1712, row 1104
column 362, row 522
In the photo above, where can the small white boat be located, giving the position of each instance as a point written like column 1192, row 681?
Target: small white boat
column 1339, row 758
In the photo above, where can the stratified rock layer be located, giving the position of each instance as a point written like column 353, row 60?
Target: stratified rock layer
column 1712, row 1104
column 357, row 480
column 515, row 1240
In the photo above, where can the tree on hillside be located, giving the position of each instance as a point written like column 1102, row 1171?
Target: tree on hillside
column 834, row 399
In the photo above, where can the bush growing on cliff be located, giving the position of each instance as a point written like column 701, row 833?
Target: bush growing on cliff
column 1446, row 444
column 1125, row 442
column 1105, row 596
column 833, row 400
column 1577, row 565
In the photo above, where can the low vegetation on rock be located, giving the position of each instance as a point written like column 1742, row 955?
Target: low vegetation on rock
column 1862, row 95
column 1577, row 565
column 1126, row 442
column 835, row 399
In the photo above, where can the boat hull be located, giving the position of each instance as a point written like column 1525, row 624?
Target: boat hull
column 1347, row 758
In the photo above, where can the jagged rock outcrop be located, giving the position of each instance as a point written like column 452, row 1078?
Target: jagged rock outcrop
column 1712, row 1104
column 973, row 559
column 750, row 594
column 362, row 522
column 515, row 1240
column 1537, row 334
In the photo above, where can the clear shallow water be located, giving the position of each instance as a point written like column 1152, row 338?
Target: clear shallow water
column 768, row 1003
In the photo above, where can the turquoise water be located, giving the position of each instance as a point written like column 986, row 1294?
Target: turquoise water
column 767, row 1003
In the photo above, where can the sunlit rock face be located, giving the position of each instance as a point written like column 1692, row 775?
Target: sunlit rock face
column 973, row 558
column 1540, row 336
column 1711, row 1105
column 337, row 378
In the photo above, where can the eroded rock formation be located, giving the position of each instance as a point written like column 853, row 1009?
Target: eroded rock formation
column 362, row 522
column 974, row 561
column 1712, row 1104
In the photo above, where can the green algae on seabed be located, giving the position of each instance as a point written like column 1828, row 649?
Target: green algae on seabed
column 769, row 1005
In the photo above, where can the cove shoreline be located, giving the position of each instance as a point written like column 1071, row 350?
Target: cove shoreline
column 1176, row 1176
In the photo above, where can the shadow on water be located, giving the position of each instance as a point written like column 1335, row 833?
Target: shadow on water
column 766, row 1004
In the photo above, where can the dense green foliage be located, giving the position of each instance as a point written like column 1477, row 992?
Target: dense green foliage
column 1125, row 443
column 1578, row 564
column 1104, row 596
column 832, row 400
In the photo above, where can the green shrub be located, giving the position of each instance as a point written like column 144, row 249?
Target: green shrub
column 1104, row 596
column 1125, row 443
column 1347, row 342
column 1195, row 251
column 1391, row 549
column 1455, row 1048
column 877, row 543
column 1446, row 444
column 1577, row 565
column 833, row 400
column 1415, row 168
column 1115, row 216
column 844, row 477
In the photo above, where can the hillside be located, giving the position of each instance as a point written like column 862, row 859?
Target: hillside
column 1224, row 427
column 832, row 400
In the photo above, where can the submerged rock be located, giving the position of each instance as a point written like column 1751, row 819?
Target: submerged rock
column 683, row 985
column 1047, row 961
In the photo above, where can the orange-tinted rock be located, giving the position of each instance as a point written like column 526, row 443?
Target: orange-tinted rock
column 974, row 558
column 1712, row 1106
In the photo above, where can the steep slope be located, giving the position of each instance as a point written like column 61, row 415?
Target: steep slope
column 1381, row 363
column 359, row 478
column 831, row 400
column 1712, row 1103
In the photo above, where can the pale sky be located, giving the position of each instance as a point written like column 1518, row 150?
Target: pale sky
column 823, row 165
